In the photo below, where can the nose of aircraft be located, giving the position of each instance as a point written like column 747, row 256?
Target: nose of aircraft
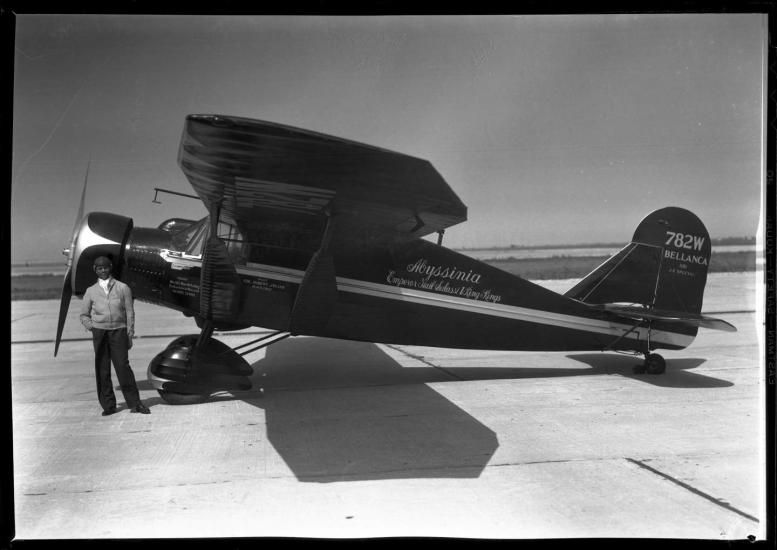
column 96, row 234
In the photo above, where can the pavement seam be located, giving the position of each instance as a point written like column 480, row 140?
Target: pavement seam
column 423, row 360
column 254, row 333
column 23, row 317
column 138, row 337
column 692, row 489
column 131, row 488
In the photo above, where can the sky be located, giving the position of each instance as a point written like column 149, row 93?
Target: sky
column 557, row 129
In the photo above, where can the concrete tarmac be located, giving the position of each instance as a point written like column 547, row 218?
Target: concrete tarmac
column 348, row 439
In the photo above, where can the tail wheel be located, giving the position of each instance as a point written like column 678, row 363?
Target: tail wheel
column 655, row 364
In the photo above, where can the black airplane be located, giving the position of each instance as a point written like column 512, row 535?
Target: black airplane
column 310, row 234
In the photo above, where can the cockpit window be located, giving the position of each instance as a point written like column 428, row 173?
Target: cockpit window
column 192, row 239
column 197, row 240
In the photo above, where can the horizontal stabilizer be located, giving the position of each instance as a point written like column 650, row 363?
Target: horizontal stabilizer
column 679, row 317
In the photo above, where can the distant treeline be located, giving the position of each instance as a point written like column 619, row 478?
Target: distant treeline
column 568, row 267
column 725, row 241
column 730, row 241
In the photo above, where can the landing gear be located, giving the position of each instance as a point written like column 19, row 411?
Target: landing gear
column 191, row 368
column 654, row 364
column 175, row 398
column 195, row 366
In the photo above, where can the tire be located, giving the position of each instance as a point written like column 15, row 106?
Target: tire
column 174, row 398
column 655, row 364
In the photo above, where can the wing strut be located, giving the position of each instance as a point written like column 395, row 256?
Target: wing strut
column 611, row 345
column 219, row 282
column 263, row 342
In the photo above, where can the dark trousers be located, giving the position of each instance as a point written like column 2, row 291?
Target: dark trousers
column 111, row 345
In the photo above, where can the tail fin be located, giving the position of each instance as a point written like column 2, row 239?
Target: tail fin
column 663, row 268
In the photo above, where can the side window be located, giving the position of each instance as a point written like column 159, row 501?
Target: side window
column 234, row 241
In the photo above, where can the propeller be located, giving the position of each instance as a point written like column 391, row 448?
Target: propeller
column 67, row 293
column 67, row 284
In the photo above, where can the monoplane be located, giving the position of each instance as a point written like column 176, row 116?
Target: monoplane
column 311, row 234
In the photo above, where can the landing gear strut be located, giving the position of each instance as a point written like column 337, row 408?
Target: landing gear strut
column 654, row 363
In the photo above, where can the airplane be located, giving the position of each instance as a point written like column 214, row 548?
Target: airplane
column 312, row 234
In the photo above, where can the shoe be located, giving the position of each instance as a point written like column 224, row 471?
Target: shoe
column 140, row 408
column 108, row 412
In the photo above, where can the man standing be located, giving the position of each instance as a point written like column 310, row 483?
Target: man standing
column 108, row 312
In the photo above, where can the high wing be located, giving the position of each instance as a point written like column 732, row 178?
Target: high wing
column 259, row 170
column 639, row 313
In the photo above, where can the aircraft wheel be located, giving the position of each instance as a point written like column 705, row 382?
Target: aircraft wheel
column 639, row 369
column 175, row 398
column 655, row 364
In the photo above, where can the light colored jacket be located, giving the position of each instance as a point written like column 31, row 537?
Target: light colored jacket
column 108, row 311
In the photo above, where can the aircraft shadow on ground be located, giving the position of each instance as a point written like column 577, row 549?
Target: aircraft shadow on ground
column 330, row 418
column 329, row 415
column 677, row 373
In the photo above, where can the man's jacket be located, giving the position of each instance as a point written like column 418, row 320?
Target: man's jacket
column 108, row 311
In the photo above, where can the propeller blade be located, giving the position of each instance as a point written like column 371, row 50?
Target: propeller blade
column 67, row 284
column 83, row 197
column 79, row 216
column 64, row 304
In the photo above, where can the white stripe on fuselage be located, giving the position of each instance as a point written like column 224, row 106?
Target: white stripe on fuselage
column 356, row 286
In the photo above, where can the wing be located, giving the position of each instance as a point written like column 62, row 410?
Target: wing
column 678, row 317
column 261, row 171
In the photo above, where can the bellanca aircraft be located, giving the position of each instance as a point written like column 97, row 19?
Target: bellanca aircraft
column 311, row 234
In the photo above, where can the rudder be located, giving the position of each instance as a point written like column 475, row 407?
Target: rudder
column 663, row 268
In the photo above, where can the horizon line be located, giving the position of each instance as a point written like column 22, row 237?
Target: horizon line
column 715, row 242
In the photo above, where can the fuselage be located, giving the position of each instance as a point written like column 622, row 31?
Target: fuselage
column 411, row 292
